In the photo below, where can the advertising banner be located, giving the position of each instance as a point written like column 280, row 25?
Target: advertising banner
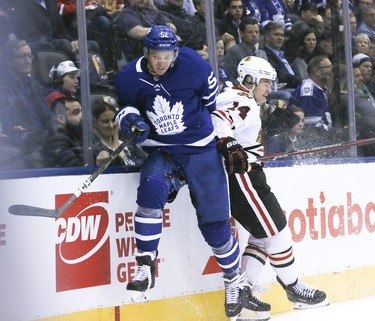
column 83, row 259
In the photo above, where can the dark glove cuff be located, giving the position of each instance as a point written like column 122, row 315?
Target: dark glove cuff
column 227, row 143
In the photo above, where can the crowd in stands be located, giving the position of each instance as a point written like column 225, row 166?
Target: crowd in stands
column 303, row 40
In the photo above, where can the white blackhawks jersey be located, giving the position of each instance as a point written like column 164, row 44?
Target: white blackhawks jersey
column 237, row 115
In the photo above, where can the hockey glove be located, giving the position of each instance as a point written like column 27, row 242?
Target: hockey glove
column 130, row 122
column 235, row 158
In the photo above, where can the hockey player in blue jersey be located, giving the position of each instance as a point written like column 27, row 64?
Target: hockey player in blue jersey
column 168, row 95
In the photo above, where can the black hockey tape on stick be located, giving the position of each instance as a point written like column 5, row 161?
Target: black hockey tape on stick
column 27, row 210
column 360, row 142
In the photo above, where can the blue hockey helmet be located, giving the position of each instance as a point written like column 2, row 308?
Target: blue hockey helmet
column 160, row 37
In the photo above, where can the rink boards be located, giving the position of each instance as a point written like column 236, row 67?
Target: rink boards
column 77, row 267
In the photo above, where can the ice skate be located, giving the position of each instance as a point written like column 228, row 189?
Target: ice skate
column 144, row 279
column 238, row 296
column 249, row 315
column 303, row 296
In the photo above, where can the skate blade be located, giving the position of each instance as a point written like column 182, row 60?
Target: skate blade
column 304, row 306
column 138, row 297
column 250, row 315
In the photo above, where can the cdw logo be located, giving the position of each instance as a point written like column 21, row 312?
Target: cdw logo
column 82, row 242
column 74, row 228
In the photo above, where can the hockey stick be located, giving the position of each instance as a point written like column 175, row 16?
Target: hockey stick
column 27, row 210
column 317, row 149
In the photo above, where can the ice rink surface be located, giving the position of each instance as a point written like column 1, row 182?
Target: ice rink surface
column 359, row 309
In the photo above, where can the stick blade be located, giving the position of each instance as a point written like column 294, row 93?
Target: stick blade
column 26, row 210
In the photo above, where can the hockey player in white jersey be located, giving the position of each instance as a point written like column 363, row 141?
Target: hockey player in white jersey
column 238, row 125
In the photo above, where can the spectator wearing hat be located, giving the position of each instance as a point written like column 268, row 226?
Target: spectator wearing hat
column 65, row 81
column 364, row 63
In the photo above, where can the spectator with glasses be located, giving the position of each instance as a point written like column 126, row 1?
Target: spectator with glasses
column 27, row 120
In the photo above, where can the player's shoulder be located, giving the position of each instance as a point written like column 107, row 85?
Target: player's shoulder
column 235, row 93
column 231, row 95
column 307, row 87
column 190, row 58
column 130, row 70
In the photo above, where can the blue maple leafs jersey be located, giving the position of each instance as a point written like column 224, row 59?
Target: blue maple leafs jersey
column 176, row 105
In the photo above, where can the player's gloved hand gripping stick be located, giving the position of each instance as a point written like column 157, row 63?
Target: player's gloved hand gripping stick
column 26, row 210
column 236, row 159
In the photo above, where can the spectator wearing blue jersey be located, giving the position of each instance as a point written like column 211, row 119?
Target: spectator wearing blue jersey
column 168, row 95
column 254, row 9
column 276, row 11
column 311, row 94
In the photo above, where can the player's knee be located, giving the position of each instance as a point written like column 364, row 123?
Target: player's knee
column 216, row 234
column 280, row 242
column 149, row 212
column 152, row 192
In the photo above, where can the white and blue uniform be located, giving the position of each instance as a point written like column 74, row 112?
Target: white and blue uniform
column 277, row 12
column 181, row 147
column 314, row 101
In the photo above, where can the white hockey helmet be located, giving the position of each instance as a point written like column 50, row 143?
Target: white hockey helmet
column 258, row 68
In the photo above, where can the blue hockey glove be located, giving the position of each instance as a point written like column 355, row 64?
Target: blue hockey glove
column 235, row 158
column 130, row 122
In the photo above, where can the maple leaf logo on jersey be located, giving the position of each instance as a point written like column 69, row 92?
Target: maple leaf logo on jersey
column 167, row 120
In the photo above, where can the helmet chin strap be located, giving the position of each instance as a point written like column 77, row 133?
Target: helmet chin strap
column 248, row 85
